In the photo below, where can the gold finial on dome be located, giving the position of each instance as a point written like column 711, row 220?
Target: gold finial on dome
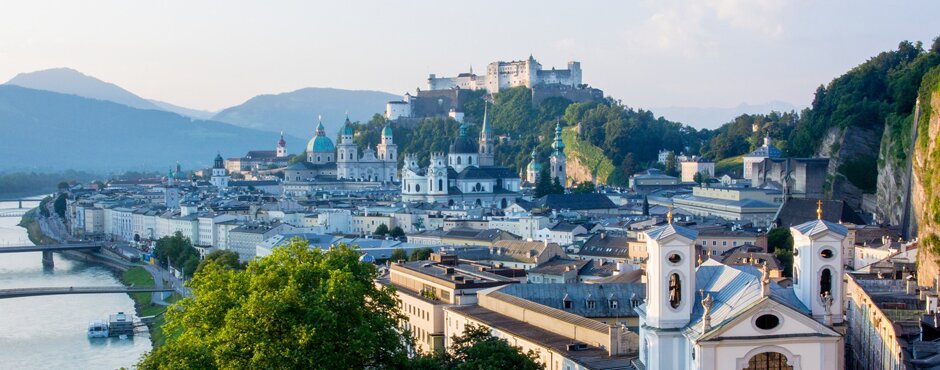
column 669, row 215
column 819, row 209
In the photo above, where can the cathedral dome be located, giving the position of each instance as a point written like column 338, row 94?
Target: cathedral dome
column 387, row 131
column 463, row 144
column 347, row 130
column 320, row 144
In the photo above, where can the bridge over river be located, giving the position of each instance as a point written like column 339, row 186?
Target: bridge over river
column 41, row 291
column 47, row 249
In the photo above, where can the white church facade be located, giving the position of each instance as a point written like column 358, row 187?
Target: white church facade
column 465, row 175
column 718, row 317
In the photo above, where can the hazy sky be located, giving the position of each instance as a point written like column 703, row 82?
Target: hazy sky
column 695, row 53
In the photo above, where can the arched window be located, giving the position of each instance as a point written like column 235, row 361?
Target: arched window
column 825, row 282
column 458, row 160
column 675, row 291
column 318, row 158
column 469, row 160
column 342, row 155
column 418, row 188
column 440, row 184
column 768, row 361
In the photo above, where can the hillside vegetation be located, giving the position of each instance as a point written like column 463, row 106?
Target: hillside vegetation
column 590, row 157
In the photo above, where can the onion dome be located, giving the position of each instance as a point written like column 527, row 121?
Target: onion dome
column 534, row 164
column 320, row 143
column 387, row 131
column 558, row 145
column 281, row 142
column 463, row 144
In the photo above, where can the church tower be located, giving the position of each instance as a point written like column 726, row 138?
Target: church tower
column 817, row 267
column 670, row 275
column 558, row 161
column 487, row 143
column 347, row 153
column 388, row 154
column 533, row 169
column 219, row 175
column 281, row 150
column 437, row 174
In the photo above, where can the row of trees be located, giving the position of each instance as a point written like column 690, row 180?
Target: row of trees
column 312, row 309
column 383, row 230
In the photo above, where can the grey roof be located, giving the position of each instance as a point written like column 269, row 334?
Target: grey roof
column 799, row 210
column 576, row 201
column 463, row 145
column 600, row 245
column 554, row 295
column 667, row 230
column 558, row 266
column 818, row 226
column 734, row 290
column 765, row 151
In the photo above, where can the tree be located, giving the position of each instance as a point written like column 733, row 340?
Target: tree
column 700, row 177
column 299, row 308
column 63, row 186
column 180, row 252
column 223, row 258
column 381, row 230
column 396, row 232
column 672, row 164
column 557, row 187
column 543, row 184
column 420, row 254
column 584, row 187
column 59, row 205
column 399, row 255
column 477, row 348
column 780, row 243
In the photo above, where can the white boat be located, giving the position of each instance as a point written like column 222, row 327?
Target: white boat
column 98, row 329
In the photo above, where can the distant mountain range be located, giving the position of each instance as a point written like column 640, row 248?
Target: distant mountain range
column 712, row 118
column 47, row 131
column 70, row 81
column 296, row 112
column 293, row 112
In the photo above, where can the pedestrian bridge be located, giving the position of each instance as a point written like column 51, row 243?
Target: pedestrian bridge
column 15, row 212
column 41, row 291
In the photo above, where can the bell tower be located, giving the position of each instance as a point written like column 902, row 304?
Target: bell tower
column 817, row 266
column 670, row 276
column 558, row 160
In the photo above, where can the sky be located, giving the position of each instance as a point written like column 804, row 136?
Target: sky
column 210, row 55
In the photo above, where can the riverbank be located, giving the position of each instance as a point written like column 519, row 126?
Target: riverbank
column 139, row 277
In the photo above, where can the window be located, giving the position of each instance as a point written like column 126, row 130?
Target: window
column 825, row 282
column 418, row 187
column 826, row 253
column 674, row 258
column 767, row 321
column 440, row 185
column 567, row 304
column 613, row 304
column 458, row 160
column 768, row 361
column 590, row 304
column 675, row 290
column 469, row 160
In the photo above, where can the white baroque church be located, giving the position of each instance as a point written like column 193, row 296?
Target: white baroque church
column 718, row 317
column 467, row 174
column 343, row 162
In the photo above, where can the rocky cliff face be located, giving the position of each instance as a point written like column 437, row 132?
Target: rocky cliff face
column 846, row 147
column 925, row 190
column 578, row 172
column 893, row 184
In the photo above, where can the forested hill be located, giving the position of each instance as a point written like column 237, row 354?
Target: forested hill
column 628, row 140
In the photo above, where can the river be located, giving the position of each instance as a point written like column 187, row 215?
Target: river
column 49, row 332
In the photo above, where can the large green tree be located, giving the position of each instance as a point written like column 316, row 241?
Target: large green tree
column 478, row 349
column 180, row 252
column 299, row 308
column 223, row 258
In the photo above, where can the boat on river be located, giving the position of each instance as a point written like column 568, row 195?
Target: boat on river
column 98, row 329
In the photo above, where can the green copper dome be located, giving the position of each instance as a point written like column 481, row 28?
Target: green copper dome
column 320, row 143
column 387, row 131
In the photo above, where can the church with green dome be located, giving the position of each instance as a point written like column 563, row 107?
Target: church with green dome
column 335, row 165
